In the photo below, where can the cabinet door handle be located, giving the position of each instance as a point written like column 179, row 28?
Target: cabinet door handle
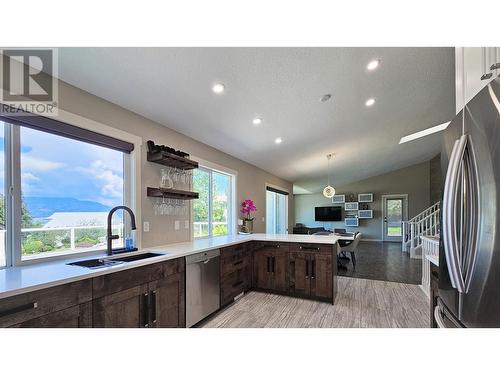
column 268, row 264
column 18, row 309
column 153, row 306
column 145, row 310
column 313, row 268
column 307, row 268
column 309, row 248
column 274, row 264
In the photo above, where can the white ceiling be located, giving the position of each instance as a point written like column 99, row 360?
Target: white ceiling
column 414, row 89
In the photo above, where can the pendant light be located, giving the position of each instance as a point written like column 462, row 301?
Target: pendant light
column 329, row 191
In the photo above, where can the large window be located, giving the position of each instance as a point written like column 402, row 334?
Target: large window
column 3, row 208
column 68, row 188
column 212, row 211
column 62, row 190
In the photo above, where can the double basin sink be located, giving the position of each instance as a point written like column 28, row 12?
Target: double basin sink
column 109, row 262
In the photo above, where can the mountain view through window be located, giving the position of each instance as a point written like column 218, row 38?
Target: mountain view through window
column 68, row 187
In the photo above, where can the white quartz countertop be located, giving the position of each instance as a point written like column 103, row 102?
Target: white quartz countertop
column 27, row 278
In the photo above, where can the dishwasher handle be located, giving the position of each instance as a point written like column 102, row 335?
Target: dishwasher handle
column 202, row 258
column 203, row 261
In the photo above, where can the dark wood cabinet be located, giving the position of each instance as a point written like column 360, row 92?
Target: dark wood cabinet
column 150, row 303
column 321, row 276
column 271, row 267
column 262, row 277
column 26, row 309
column 119, row 281
column 312, row 271
column 79, row 316
column 167, row 302
column 279, row 269
column 124, row 309
column 300, row 283
column 235, row 271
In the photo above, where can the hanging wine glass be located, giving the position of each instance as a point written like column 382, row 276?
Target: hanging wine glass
column 166, row 181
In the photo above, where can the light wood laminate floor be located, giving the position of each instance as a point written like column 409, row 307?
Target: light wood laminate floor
column 360, row 303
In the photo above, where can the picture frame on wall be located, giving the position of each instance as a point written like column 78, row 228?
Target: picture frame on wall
column 365, row 214
column 365, row 197
column 340, row 198
column 351, row 206
column 351, row 222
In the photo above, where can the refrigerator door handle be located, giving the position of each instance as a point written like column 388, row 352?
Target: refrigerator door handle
column 437, row 316
column 450, row 215
column 474, row 214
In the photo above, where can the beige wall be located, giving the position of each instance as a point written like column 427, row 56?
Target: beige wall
column 413, row 181
column 251, row 181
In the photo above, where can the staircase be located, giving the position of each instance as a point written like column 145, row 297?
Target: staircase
column 425, row 223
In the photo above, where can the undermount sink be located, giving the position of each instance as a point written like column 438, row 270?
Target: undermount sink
column 103, row 262
column 132, row 258
column 95, row 263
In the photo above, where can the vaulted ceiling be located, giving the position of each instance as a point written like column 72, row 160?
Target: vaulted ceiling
column 413, row 87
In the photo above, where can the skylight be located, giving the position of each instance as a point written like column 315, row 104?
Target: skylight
column 423, row 133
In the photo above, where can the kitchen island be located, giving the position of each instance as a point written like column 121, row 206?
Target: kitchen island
column 298, row 265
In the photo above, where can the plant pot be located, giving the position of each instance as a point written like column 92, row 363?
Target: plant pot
column 247, row 226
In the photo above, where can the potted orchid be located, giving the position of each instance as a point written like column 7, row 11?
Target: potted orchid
column 247, row 207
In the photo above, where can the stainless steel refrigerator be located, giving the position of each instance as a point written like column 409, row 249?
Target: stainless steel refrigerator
column 469, row 256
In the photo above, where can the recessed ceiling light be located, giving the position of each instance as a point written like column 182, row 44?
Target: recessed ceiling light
column 257, row 121
column 218, row 88
column 372, row 65
column 278, row 140
column 325, row 98
column 424, row 132
column 370, row 102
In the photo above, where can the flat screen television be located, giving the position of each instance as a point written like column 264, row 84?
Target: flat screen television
column 331, row 213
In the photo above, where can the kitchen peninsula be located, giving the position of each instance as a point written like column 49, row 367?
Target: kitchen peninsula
column 152, row 290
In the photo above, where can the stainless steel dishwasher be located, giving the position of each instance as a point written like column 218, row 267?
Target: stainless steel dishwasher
column 202, row 286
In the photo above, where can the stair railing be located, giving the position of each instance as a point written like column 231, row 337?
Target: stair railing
column 425, row 223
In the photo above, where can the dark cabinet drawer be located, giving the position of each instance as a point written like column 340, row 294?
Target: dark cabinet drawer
column 231, row 265
column 312, row 247
column 268, row 245
column 235, row 271
column 234, row 253
column 118, row 281
column 24, row 307
column 171, row 267
column 79, row 316
column 234, row 284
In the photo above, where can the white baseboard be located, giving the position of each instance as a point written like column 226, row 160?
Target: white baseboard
column 426, row 291
column 370, row 240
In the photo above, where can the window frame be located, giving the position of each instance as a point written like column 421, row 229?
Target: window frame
column 131, row 187
column 277, row 190
column 231, row 216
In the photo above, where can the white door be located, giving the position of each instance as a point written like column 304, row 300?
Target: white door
column 276, row 212
column 394, row 212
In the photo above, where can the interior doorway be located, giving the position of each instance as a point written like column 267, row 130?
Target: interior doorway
column 276, row 211
column 394, row 212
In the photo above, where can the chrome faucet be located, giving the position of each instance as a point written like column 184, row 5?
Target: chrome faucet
column 110, row 236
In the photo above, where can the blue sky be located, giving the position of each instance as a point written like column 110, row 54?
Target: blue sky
column 53, row 166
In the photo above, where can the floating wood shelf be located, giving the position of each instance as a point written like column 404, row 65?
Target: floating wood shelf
column 172, row 160
column 171, row 193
